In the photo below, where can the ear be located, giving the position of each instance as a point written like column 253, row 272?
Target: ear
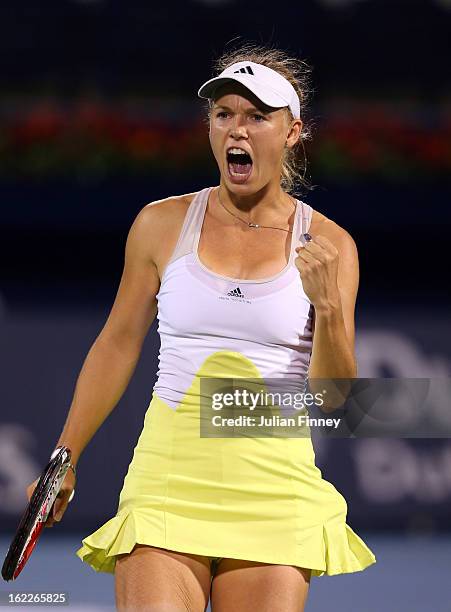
column 294, row 133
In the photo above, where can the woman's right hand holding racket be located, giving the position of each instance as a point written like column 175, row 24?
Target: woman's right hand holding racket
column 62, row 499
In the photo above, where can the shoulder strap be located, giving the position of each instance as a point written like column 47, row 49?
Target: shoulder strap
column 193, row 219
column 305, row 218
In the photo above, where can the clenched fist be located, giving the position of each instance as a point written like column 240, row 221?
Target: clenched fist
column 317, row 263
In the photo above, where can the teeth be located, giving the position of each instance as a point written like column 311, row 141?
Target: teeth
column 237, row 151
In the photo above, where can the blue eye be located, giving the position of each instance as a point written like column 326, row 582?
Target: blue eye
column 258, row 117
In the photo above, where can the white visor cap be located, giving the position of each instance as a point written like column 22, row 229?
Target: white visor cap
column 268, row 85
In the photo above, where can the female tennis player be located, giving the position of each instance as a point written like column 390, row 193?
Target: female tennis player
column 239, row 291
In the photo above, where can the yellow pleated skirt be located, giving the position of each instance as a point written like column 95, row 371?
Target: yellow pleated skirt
column 259, row 499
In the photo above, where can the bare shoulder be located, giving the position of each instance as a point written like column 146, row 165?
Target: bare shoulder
column 158, row 218
column 339, row 236
column 157, row 226
column 164, row 212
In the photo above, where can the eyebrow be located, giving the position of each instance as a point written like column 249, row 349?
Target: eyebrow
column 252, row 109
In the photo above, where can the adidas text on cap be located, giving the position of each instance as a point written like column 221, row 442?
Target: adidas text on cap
column 268, row 85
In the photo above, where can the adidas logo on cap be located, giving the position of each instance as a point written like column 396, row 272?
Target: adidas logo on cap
column 248, row 69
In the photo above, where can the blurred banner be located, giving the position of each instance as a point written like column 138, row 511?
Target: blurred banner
column 388, row 483
column 87, row 140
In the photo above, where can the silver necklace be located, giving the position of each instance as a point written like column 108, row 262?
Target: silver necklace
column 249, row 223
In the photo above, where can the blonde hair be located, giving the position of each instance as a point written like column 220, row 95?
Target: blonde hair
column 297, row 72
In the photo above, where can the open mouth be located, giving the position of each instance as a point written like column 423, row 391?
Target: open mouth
column 239, row 163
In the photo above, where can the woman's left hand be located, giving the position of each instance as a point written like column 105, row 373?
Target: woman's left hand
column 317, row 263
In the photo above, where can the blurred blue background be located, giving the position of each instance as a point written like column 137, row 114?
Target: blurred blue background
column 98, row 116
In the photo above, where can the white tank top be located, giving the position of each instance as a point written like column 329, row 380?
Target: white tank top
column 263, row 327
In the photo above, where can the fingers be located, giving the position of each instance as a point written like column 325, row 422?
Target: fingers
column 320, row 244
column 59, row 506
column 56, row 513
column 321, row 248
column 31, row 488
column 61, row 503
column 62, row 500
column 49, row 522
column 306, row 253
column 64, row 496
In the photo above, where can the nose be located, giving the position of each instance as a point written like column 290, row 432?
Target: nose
column 238, row 129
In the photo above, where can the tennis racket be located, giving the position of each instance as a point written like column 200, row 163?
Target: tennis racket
column 36, row 513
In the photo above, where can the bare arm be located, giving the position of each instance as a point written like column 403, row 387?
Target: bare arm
column 112, row 358
column 333, row 353
column 330, row 273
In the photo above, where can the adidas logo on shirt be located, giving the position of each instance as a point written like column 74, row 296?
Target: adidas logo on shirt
column 236, row 293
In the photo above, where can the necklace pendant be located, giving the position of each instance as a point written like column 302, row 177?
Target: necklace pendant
column 253, row 224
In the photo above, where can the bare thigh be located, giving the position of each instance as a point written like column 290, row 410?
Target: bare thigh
column 246, row 585
column 154, row 579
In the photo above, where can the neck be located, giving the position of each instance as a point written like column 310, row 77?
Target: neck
column 271, row 198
